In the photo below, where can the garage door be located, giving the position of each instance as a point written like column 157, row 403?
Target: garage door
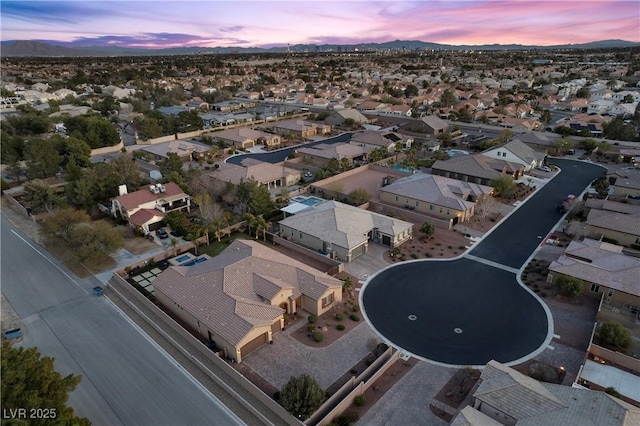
column 157, row 225
column 275, row 326
column 253, row 345
column 357, row 251
column 386, row 240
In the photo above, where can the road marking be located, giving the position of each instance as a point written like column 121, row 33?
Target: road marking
column 556, row 336
column 494, row 264
column 51, row 262
column 31, row 318
column 551, row 347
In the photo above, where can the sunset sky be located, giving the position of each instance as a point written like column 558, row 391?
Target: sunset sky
column 268, row 23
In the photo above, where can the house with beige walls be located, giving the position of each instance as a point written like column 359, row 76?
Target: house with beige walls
column 238, row 299
column 342, row 231
column 435, row 196
column 517, row 152
column 271, row 175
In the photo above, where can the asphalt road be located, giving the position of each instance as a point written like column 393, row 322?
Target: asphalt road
column 468, row 311
column 282, row 154
column 127, row 379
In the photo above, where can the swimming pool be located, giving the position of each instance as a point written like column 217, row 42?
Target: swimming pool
column 183, row 258
column 404, row 169
column 453, row 152
column 194, row 261
column 308, row 201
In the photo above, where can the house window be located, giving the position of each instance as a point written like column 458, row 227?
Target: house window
column 301, row 235
column 431, row 207
column 447, row 174
column 595, row 288
column 326, row 301
column 465, row 178
column 478, row 181
column 448, row 212
column 417, row 203
column 440, row 209
column 397, row 198
column 504, row 154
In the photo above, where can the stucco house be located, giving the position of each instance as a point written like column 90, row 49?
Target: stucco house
column 512, row 398
column 476, row 168
column 603, row 268
column 147, row 207
column 372, row 139
column 516, row 152
column 185, row 150
column 626, row 182
column 621, row 227
column 430, row 124
column 237, row 299
column 244, row 137
column 321, row 154
column 268, row 174
column 300, row 128
column 435, row 196
column 343, row 231
column 338, row 117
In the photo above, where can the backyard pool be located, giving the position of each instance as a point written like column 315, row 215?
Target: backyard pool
column 307, row 201
column 182, row 258
column 194, row 261
column 404, row 169
column 453, row 152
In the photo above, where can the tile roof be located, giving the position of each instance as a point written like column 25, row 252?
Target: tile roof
column 227, row 293
column 132, row 200
column 372, row 137
column 343, row 225
column 338, row 150
column 143, row 216
column 521, row 150
column 260, row 171
column 612, row 206
column 476, row 165
column 614, row 221
column 469, row 416
column 600, row 263
column 437, row 190
column 531, row 402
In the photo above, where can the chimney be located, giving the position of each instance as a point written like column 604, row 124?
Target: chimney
column 122, row 190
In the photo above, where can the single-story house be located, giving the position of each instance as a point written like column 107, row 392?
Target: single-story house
column 185, row 150
column 343, row 231
column 300, row 128
column 626, row 182
column 430, row 124
column 147, row 207
column 512, row 398
column 237, row 299
column 435, row 196
column 338, row 117
column 271, row 175
column 616, row 226
column 243, row 137
column 603, row 268
column 320, row 155
column 476, row 168
column 371, row 139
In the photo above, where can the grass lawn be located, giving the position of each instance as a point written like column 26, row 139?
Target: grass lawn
column 216, row 247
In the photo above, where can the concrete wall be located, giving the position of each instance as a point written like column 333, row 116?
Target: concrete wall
column 123, row 287
column 408, row 215
column 425, row 207
column 617, row 358
column 107, row 149
column 333, row 266
column 622, row 238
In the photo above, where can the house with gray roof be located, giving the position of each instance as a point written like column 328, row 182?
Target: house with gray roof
column 621, row 228
column 338, row 117
column 271, row 175
column 321, row 154
column 603, row 268
column 244, row 137
column 476, row 168
column 430, row 124
column 237, row 299
column 372, row 139
column 511, row 398
column 343, row 231
column 436, row 196
column 185, row 150
column 626, row 182
column 516, row 152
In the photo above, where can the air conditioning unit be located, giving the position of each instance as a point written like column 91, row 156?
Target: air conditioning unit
column 163, row 188
column 153, row 189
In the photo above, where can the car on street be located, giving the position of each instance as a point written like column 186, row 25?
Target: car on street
column 544, row 168
column 162, row 234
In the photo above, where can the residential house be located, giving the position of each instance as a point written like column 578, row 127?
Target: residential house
column 616, row 226
column 623, row 110
column 147, row 207
column 436, row 196
column 517, row 152
column 271, row 175
column 603, row 268
column 401, row 110
column 430, row 124
column 300, row 128
column 371, row 139
column 476, row 168
column 631, row 156
column 539, row 141
column 118, row 92
column 238, row 299
column 626, row 182
column 185, row 150
column 244, row 137
column 338, row 117
column 343, row 231
column 321, row 154
column 512, row 398
column 600, row 106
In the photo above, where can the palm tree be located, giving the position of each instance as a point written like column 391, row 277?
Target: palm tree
column 344, row 163
column 261, row 225
column 250, row 221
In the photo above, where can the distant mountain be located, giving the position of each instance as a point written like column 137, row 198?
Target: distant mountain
column 54, row 49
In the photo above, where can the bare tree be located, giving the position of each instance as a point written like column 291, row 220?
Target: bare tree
column 485, row 206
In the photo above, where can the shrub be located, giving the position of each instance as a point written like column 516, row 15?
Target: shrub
column 427, row 254
column 276, row 395
column 318, row 336
column 339, row 317
column 569, row 286
column 414, row 256
column 311, row 328
column 354, row 317
column 312, row 319
column 359, row 400
column 356, row 308
column 340, row 327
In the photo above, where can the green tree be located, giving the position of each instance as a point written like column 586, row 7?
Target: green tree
column 614, row 336
column 602, row 187
column 588, row 144
column 503, row 184
column 345, row 164
column 447, row 99
column 359, row 196
column 30, row 382
column 13, row 167
column 302, row 396
column 428, row 229
column 40, row 197
column 350, row 123
column 42, row 158
column 92, row 241
column 583, row 93
column 124, row 170
column 80, row 194
column 171, row 164
column 569, row 286
column 377, row 154
column 411, row 91
column 60, row 224
column 254, row 196
column 334, row 165
column 261, row 226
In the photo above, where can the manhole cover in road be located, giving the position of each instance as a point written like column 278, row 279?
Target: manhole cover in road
column 413, row 317
column 457, row 330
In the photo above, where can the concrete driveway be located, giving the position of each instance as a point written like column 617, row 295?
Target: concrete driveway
column 368, row 263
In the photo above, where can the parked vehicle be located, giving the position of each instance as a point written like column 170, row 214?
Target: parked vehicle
column 544, row 168
column 162, row 234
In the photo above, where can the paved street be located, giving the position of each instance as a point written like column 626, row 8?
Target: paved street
column 471, row 310
column 127, row 379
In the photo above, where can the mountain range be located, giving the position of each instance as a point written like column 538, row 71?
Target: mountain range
column 32, row 48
